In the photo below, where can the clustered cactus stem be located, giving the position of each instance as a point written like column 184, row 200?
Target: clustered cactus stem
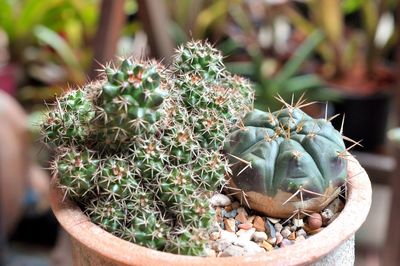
column 141, row 148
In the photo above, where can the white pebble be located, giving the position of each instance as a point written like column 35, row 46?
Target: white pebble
column 220, row 200
column 260, row 236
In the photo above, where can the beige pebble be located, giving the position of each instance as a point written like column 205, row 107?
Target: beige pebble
column 246, row 234
column 260, row 236
column 298, row 222
column 292, row 236
column 272, row 240
column 279, row 238
column 242, row 210
column 267, row 245
column 241, row 217
column 229, row 224
column 251, row 219
column 259, row 224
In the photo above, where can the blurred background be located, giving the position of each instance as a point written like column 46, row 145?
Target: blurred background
column 345, row 55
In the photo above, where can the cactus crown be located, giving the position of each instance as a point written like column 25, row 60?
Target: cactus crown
column 140, row 149
column 288, row 160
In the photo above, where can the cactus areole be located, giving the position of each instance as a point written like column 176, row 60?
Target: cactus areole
column 286, row 163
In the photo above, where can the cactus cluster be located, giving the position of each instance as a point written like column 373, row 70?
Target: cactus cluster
column 140, row 150
column 286, row 162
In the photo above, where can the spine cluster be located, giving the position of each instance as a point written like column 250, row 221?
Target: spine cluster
column 141, row 149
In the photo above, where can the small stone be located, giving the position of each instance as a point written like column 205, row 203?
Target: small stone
column 278, row 227
column 251, row 219
column 286, row 233
column 272, row 240
column 301, row 232
column 260, row 236
column 279, row 238
column 259, row 224
column 215, row 235
column 326, row 215
column 286, row 227
column 286, row 242
column 245, row 226
column 235, row 204
column 227, row 236
column 300, row 238
column 250, row 247
column 241, row 217
column 292, row 236
column 231, row 214
column 298, row 222
column 220, row 200
column 230, row 225
column 269, row 228
column 293, row 228
column 273, row 220
column 246, row 234
column 228, row 208
column 242, row 210
column 314, row 221
column 220, row 245
column 232, row 251
column 267, row 246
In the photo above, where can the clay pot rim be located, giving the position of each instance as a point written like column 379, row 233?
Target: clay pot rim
column 122, row 252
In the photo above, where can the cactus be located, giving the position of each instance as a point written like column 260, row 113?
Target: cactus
column 141, row 148
column 286, row 162
column 68, row 122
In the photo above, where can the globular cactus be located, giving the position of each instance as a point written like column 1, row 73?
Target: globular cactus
column 286, row 162
column 128, row 101
column 68, row 122
column 77, row 171
column 144, row 149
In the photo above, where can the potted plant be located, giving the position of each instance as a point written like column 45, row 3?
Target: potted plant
column 352, row 61
column 141, row 153
column 284, row 78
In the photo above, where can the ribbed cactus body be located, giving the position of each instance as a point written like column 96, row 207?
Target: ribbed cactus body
column 278, row 154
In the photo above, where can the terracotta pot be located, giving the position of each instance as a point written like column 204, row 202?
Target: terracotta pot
column 334, row 245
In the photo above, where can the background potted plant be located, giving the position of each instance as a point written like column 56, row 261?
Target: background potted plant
column 352, row 60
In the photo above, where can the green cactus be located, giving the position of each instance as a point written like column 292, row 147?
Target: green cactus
column 128, row 100
column 285, row 153
column 68, row 123
column 141, row 148
column 77, row 172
